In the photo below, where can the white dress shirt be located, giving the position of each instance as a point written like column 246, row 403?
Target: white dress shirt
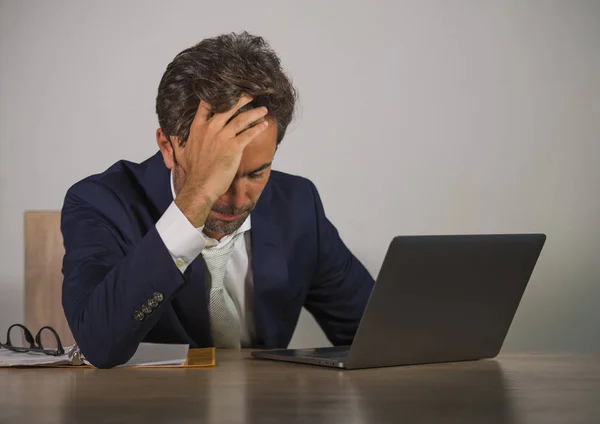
column 185, row 243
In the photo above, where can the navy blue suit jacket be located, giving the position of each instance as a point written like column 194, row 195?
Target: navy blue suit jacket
column 115, row 262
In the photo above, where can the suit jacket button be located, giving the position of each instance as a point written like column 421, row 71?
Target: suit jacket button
column 152, row 303
column 139, row 315
column 146, row 309
column 158, row 297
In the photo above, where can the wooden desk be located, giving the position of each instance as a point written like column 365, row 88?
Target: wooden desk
column 511, row 389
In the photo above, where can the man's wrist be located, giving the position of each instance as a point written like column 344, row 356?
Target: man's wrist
column 183, row 241
column 195, row 207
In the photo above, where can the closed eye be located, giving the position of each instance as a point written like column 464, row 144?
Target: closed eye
column 256, row 176
column 256, row 173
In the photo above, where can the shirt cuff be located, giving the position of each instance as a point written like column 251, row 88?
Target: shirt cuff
column 183, row 241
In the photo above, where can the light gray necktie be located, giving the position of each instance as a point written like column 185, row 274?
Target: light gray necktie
column 224, row 318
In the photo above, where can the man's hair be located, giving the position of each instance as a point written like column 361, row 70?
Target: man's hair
column 219, row 70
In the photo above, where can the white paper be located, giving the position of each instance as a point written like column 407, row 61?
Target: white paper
column 156, row 354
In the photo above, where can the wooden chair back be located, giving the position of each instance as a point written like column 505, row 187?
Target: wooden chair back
column 44, row 253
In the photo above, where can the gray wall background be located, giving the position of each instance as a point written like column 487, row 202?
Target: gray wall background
column 416, row 117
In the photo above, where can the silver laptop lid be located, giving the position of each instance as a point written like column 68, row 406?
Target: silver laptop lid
column 444, row 298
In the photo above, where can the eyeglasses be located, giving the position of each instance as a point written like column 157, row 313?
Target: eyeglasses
column 35, row 345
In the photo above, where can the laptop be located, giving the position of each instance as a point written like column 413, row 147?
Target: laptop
column 436, row 299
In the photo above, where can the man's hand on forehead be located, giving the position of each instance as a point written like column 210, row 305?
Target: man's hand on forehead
column 213, row 155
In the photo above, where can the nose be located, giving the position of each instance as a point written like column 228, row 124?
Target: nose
column 236, row 194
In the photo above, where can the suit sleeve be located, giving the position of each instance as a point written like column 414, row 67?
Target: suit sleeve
column 341, row 285
column 113, row 292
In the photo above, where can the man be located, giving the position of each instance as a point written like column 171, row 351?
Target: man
column 203, row 244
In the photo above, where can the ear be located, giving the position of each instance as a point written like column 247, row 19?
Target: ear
column 166, row 148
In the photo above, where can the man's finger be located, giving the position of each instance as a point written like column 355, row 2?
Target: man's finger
column 250, row 134
column 202, row 114
column 220, row 119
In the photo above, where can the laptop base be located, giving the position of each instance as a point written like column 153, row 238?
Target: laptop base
column 334, row 357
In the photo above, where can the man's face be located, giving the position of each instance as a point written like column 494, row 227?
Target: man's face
column 231, row 209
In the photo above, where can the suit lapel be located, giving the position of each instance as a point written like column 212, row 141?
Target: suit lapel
column 270, row 273
column 156, row 181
